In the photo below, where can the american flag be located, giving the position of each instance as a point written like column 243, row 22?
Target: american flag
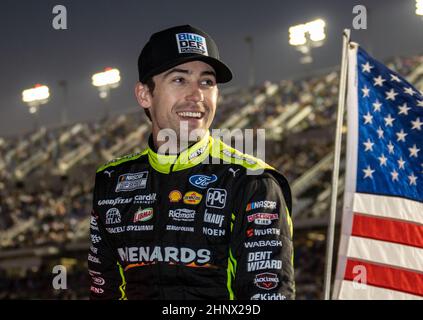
column 381, row 248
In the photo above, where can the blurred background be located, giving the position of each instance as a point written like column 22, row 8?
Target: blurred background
column 67, row 106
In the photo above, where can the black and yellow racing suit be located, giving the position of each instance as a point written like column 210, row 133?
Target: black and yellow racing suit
column 198, row 225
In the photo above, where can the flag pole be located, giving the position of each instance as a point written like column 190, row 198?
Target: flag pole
column 336, row 160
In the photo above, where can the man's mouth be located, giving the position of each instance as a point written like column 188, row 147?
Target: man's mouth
column 190, row 114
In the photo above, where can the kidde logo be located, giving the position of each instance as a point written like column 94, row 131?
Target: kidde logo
column 192, row 197
column 175, row 196
column 266, row 281
column 143, row 215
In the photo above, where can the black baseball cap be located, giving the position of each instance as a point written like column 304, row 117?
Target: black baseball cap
column 177, row 45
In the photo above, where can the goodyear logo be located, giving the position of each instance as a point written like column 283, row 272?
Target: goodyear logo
column 192, row 197
column 191, row 43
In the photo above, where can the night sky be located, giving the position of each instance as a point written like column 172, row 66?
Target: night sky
column 112, row 33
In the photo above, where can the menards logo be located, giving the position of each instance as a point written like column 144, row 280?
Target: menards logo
column 192, row 197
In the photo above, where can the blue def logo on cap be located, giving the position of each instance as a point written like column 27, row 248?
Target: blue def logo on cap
column 191, row 43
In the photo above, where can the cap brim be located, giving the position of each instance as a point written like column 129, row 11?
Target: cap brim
column 223, row 73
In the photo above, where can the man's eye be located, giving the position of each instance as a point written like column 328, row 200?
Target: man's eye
column 179, row 80
column 208, row 82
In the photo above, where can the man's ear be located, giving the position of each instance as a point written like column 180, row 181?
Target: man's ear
column 142, row 93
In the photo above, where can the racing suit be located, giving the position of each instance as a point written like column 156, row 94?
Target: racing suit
column 197, row 225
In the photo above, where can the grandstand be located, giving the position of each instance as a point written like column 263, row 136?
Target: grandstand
column 47, row 176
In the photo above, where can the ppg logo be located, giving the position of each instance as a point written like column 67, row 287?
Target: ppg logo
column 216, row 198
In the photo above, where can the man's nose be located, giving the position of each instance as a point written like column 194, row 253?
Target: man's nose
column 195, row 94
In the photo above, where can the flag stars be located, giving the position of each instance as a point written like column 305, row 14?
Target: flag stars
column 367, row 67
column 380, row 133
column 394, row 175
column 420, row 103
column 366, row 92
column 403, row 109
column 401, row 163
column 368, row 172
column 414, row 151
column 401, row 135
column 409, row 91
column 368, row 118
column 382, row 160
column 389, row 120
column 395, row 78
column 412, row 179
column 390, row 148
column 378, row 81
column 416, row 124
column 391, row 94
column 369, row 145
column 376, row 106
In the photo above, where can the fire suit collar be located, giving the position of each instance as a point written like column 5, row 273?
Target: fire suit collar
column 187, row 158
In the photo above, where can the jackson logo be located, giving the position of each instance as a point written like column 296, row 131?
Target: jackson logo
column 132, row 181
column 175, row 196
column 266, row 281
column 191, row 43
column 192, row 197
column 202, row 181
column 262, row 218
column 143, row 215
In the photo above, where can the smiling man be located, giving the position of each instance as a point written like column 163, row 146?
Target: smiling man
column 189, row 217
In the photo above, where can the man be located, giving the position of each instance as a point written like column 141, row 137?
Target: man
column 172, row 222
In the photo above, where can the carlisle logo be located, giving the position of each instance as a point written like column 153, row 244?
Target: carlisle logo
column 191, row 43
column 202, row 181
column 266, row 281
column 175, row 196
column 192, row 197
column 143, row 215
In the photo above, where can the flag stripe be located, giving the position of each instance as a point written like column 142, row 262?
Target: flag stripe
column 388, row 230
column 389, row 207
column 385, row 253
column 387, row 277
column 349, row 292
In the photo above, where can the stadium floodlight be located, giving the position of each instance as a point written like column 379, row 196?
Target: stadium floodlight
column 297, row 35
column 106, row 80
column 39, row 94
column 316, row 29
column 419, row 7
column 306, row 36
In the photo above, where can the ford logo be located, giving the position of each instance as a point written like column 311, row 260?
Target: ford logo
column 202, row 181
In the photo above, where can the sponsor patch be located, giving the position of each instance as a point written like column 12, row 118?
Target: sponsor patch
column 143, row 215
column 97, row 290
column 216, row 198
column 262, row 218
column 95, row 238
column 113, row 216
column 261, row 205
column 182, row 214
column 214, row 218
column 191, row 43
column 268, row 296
column 145, row 198
column 202, row 181
column 262, row 232
column 175, row 196
column 113, row 202
column 179, row 228
column 192, row 197
column 132, row 181
column 213, row 232
column 266, row 280
column 98, row 281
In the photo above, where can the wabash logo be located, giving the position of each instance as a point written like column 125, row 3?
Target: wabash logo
column 266, row 281
column 191, row 43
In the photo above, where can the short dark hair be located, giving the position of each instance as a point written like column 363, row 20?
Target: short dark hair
column 150, row 85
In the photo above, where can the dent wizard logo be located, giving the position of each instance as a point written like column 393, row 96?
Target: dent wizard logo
column 202, row 181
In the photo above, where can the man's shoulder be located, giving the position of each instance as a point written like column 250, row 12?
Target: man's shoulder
column 121, row 161
column 233, row 156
